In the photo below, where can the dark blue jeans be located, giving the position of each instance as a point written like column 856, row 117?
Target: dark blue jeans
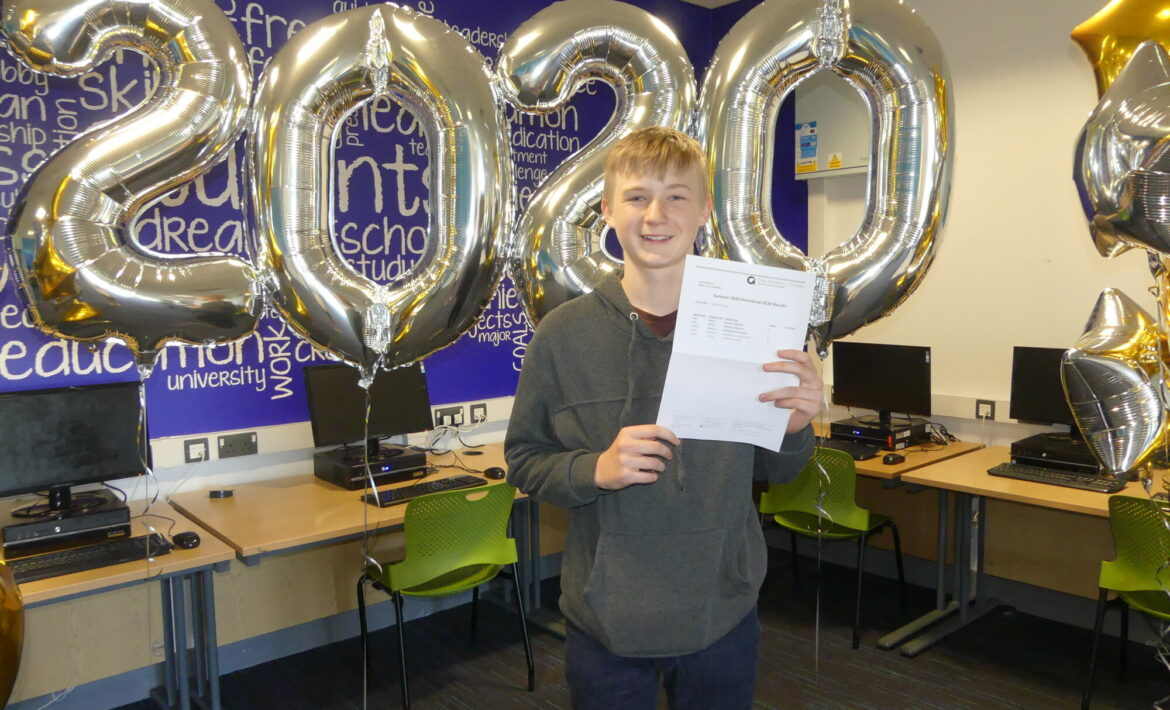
column 719, row 677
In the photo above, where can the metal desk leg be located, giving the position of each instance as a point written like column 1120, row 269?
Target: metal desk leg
column 168, row 647
column 182, row 677
column 522, row 526
column 550, row 621
column 197, row 631
column 177, row 691
column 210, row 651
column 940, row 587
column 534, row 554
column 970, row 606
column 963, row 554
column 942, row 609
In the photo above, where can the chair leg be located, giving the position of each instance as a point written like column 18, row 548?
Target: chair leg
column 1102, row 602
column 524, row 631
column 898, row 558
column 474, row 614
column 1124, row 640
column 397, row 596
column 361, row 595
column 795, row 557
column 861, row 542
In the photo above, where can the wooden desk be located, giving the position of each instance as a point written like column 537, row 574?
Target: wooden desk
column 968, row 479
column 209, row 553
column 294, row 512
column 179, row 573
column 969, row 475
column 917, row 457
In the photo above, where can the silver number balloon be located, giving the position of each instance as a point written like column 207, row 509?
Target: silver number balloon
column 541, row 66
column 1114, row 380
column 889, row 55
column 82, row 276
column 326, row 71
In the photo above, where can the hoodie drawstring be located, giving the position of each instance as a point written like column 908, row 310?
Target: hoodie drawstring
column 623, row 417
column 680, row 470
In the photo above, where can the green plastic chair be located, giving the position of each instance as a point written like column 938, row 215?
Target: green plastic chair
column 1142, row 540
column 797, row 505
column 455, row 540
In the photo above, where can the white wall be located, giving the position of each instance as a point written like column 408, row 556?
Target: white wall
column 1015, row 265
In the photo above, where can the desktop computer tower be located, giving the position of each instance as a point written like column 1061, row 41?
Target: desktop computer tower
column 1060, row 452
column 33, row 535
column 347, row 467
column 899, row 436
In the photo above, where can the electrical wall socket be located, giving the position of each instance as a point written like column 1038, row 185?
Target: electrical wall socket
column 449, row 416
column 985, row 409
column 195, row 450
column 237, row 444
column 479, row 413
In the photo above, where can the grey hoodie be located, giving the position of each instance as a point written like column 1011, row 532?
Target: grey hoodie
column 651, row 570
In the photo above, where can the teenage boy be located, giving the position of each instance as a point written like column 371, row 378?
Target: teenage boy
column 664, row 555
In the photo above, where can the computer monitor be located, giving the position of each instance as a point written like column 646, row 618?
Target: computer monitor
column 399, row 404
column 885, row 378
column 52, row 439
column 1037, row 394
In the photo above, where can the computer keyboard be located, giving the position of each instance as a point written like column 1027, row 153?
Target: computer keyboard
column 1024, row 472
column 80, row 559
column 393, row 496
column 858, row 450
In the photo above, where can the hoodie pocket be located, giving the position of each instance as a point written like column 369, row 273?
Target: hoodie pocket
column 745, row 559
column 653, row 594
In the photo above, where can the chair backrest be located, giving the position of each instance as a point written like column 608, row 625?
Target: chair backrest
column 830, row 471
column 455, row 529
column 1142, row 539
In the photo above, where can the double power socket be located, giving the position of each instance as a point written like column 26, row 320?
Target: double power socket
column 228, row 445
column 453, row 415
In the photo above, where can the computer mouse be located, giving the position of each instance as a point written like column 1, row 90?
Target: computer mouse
column 494, row 472
column 893, row 459
column 187, row 539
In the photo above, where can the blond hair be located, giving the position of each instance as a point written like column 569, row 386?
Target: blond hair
column 655, row 150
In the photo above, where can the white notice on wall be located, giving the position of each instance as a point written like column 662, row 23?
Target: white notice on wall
column 732, row 318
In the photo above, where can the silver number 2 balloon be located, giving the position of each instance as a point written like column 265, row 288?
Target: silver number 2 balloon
column 541, row 66
column 82, row 277
column 326, row 71
column 886, row 52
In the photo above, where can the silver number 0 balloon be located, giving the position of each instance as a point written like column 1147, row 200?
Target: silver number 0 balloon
column 327, row 70
column 80, row 274
column 890, row 56
column 541, row 66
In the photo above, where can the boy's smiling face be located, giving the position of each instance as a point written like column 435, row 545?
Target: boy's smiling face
column 656, row 218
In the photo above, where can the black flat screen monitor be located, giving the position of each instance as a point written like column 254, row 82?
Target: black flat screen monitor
column 52, row 439
column 399, row 404
column 1037, row 395
column 885, row 378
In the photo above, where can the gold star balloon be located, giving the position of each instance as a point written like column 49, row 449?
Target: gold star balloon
column 1110, row 37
